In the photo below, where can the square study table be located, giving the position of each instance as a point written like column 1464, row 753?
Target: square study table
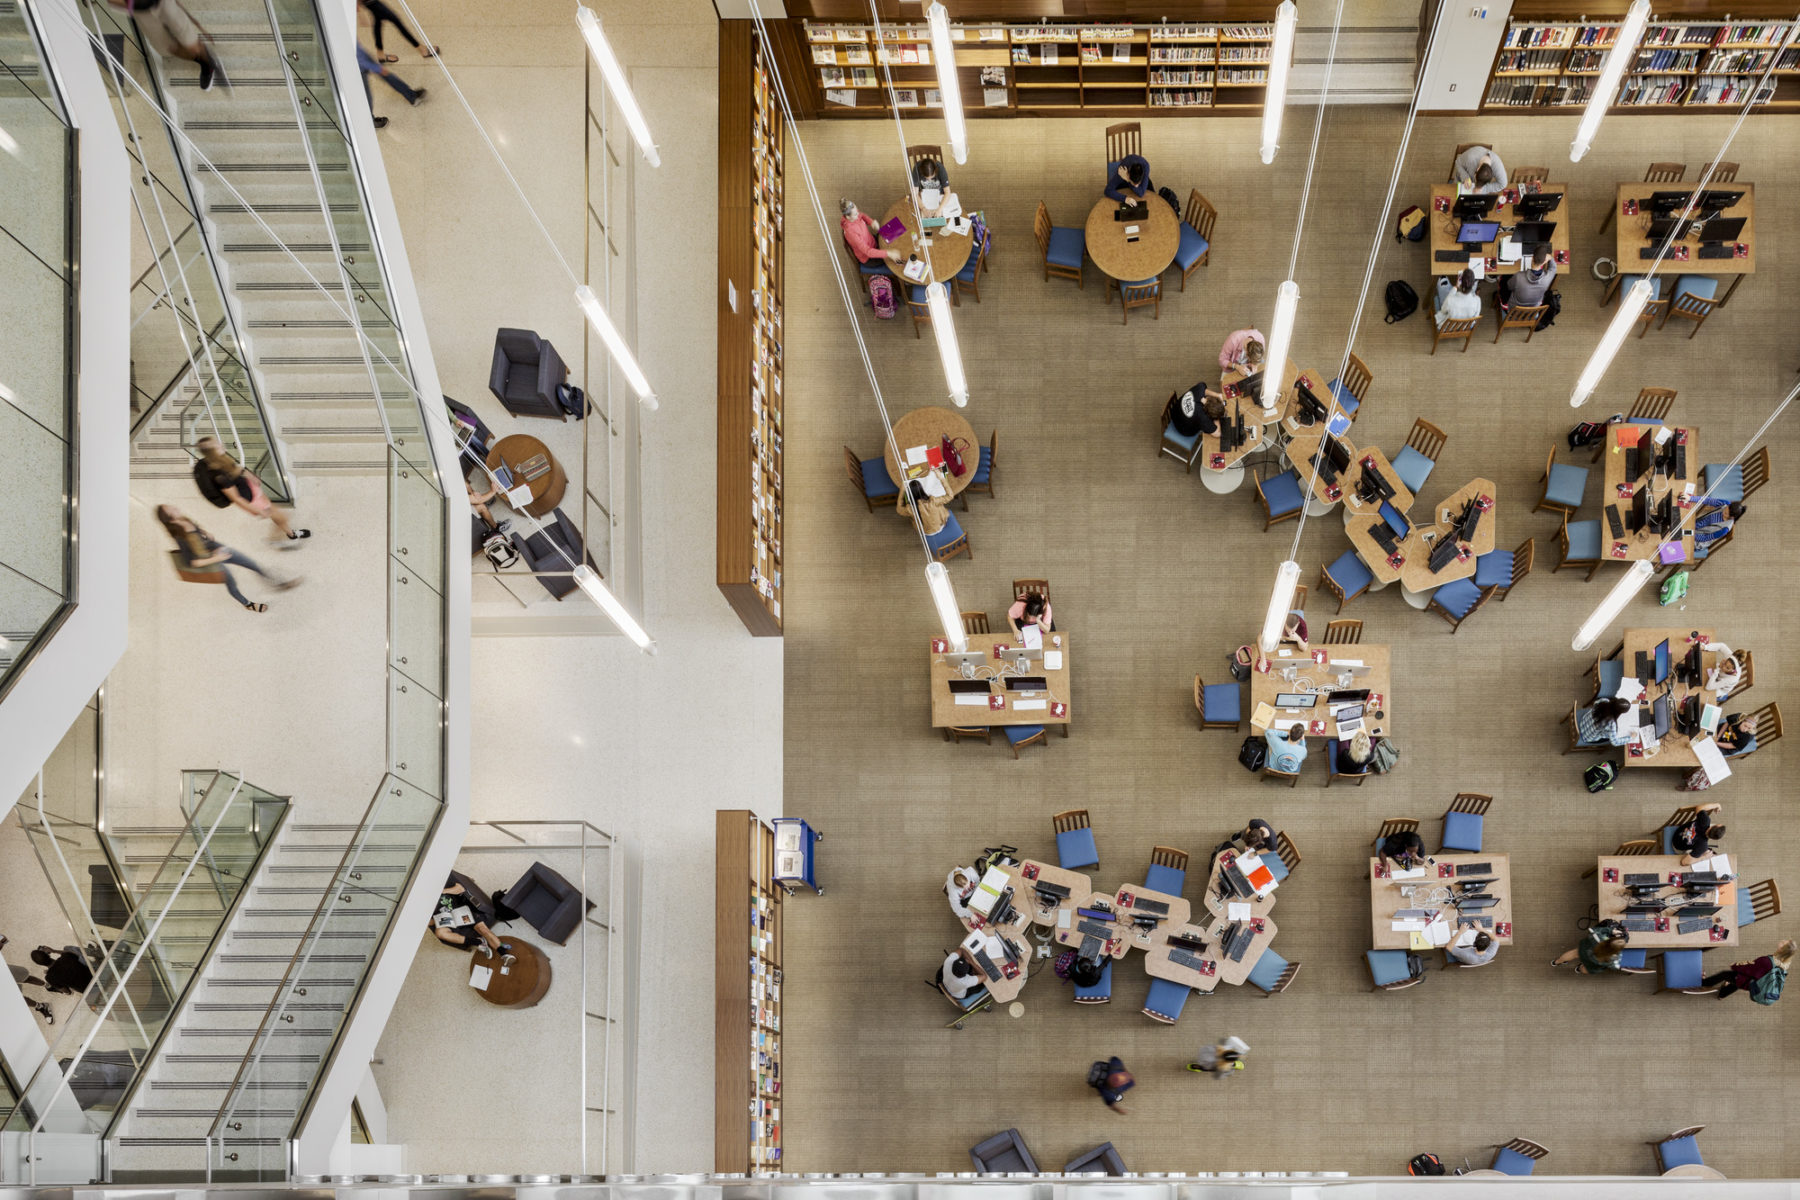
column 1675, row 749
column 1311, row 676
column 1433, row 890
column 1633, row 236
column 1614, row 897
column 1050, row 707
column 1686, row 486
column 1444, row 227
column 1124, row 937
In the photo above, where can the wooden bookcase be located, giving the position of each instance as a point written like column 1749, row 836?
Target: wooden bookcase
column 751, row 265
column 1695, row 62
column 747, row 998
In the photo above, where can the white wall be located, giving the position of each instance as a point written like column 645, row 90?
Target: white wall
column 1454, row 75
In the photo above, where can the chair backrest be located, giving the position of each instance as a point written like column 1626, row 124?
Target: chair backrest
column 1357, row 377
column 1025, row 587
column 1529, row 1149
column 993, row 453
column 1562, row 542
column 1075, row 818
column 1299, row 601
column 1722, row 172
column 1665, row 172
column 1637, row 848
column 1529, row 175
column 1523, row 557
column 1652, row 403
column 1200, row 696
column 1135, row 295
column 1454, row 158
column 1123, row 139
column 1168, row 856
column 1040, row 226
column 1330, row 584
column 1168, row 415
column 1451, row 330
column 1200, row 214
column 1426, row 438
column 1285, row 978
column 1748, row 658
column 975, row 622
column 1285, row 850
column 853, row 467
column 1756, row 470
column 1397, row 825
column 1470, row 802
column 1682, row 815
column 1692, row 306
column 1765, row 899
column 1768, row 724
column 1690, row 1131
column 1345, row 632
column 1521, row 317
column 917, row 154
column 920, row 309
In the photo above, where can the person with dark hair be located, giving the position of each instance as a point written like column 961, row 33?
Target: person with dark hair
column 1598, row 723
column 380, row 15
column 66, row 971
column 1715, row 521
column 1459, row 301
column 1086, row 972
column 1528, row 288
column 1112, row 1081
column 1694, row 838
column 1406, row 849
column 931, row 186
column 957, row 977
column 1477, row 952
column 1478, row 169
column 1286, row 750
column 1257, row 837
column 199, row 551
column 934, row 511
column 1197, row 411
column 461, row 919
column 1033, row 608
column 1600, row 949
column 1131, row 176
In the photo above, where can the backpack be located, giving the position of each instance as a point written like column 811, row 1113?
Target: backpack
column 881, row 295
column 996, row 856
column 499, row 550
column 1553, row 305
column 1384, row 756
column 1411, row 228
column 1586, row 434
column 1674, row 589
column 1600, row 776
column 572, row 400
column 1253, row 753
column 1097, row 1073
column 1767, row 990
column 1240, row 660
column 1402, row 301
column 1169, row 195
column 203, row 479
column 1425, row 1164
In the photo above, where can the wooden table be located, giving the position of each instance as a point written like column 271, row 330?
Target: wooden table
column 928, row 427
column 1124, row 905
column 517, row 449
column 1613, row 898
column 1444, row 227
column 1676, row 749
column 1216, row 460
column 1158, row 964
column 1133, row 262
column 948, row 253
column 1117, row 943
column 1309, row 675
column 1236, row 973
column 1003, row 989
column 1025, row 897
column 1414, row 572
column 1215, row 902
column 1434, row 892
column 1643, row 543
column 526, row 980
column 1289, row 374
column 1354, row 506
column 945, row 711
column 1633, row 228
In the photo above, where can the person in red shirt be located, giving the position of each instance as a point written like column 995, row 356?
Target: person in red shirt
column 862, row 235
column 1743, row 976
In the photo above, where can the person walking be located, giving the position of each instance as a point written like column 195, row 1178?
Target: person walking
column 199, row 552
column 380, row 15
column 172, row 31
column 1112, row 1081
column 1744, row 976
column 370, row 67
column 225, row 482
column 1222, row 1060
column 1600, row 950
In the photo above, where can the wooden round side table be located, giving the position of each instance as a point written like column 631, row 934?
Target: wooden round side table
column 526, row 980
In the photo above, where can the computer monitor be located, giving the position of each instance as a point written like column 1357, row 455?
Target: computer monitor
column 970, row 687
column 1251, row 385
column 1476, row 233
column 1469, row 521
column 1665, row 513
column 1473, row 207
column 1538, row 206
column 965, row 662
column 1723, row 229
column 1712, row 200
column 1337, row 453
column 1027, row 683
column 1296, row 699
column 1395, row 520
column 1533, row 233
column 1311, row 407
column 1664, row 203
column 1694, row 667
column 1640, row 510
column 1662, row 660
column 1374, row 483
column 1660, row 712
column 1672, row 228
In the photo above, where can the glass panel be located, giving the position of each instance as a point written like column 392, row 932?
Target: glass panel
column 416, row 639
column 416, row 733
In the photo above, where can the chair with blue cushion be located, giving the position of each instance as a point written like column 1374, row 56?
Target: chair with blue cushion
column 1457, row 601
column 1075, row 848
column 1063, row 250
column 1503, row 569
column 1285, row 859
column 968, row 279
column 1423, row 447
column 1182, row 447
column 1167, row 872
column 1653, row 308
column 949, row 541
column 1099, row 993
column 1463, row 822
column 1166, row 1000
column 1679, row 1149
column 1337, row 758
column 1727, row 484
column 1682, row 972
column 1196, row 235
column 919, row 306
column 1349, row 388
column 1517, row 1157
column 1024, row 735
column 1221, row 705
column 1272, row 973
column 984, row 470
column 1758, row 902
column 1609, row 673
column 1278, row 493
column 1694, row 298
column 1565, row 487
column 1391, row 970
column 1141, row 293
column 1578, row 545
column 1634, row 960
column 1347, row 577
column 871, row 478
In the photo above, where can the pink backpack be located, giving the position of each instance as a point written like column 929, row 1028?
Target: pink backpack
column 881, row 295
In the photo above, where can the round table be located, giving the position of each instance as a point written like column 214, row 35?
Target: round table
column 547, row 489
column 1222, row 482
column 948, row 252
column 1486, row 1172
column 1694, row 1171
column 1132, row 262
column 1419, row 600
column 526, row 980
column 929, row 427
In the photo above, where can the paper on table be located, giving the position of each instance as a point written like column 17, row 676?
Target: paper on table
column 1438, row 932
column 1630, row 688
column 1032, row 636
column 1262, row 716
column 1510, row 251
column 1236, row 910
column 1063, row 918
column 933, row 484
column 1712, row 759
column 915, row 455
column 1053, row 660
column 1417, row 941
column 1406, row 926
column 1466, row 938
column 478, row 978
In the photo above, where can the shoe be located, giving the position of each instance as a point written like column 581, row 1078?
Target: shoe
column 505, row 525
column 208, row 73
column 417, row 97
column 299, row 535
column 381, row 122
column 506, row 948
column 390, row 58
column 288, row 585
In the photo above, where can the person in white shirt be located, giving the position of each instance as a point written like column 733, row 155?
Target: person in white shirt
column 957, row 977
column 959, row 886
column 1479, row 170
column 1481, row 950
column 1459, row 301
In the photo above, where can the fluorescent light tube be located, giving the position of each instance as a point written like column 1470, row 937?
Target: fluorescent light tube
column 1631, row 306
column 1281, row 59
column 615, row 345
column 589, row 582
column 1281, row 601
column 1281, row 340
column 937, row 299
column 1634, row 579
column 949, row 616
column 1606, row 84
column 615, row 81
column 944, row 51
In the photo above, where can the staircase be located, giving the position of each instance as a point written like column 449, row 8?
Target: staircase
column 1375, row 63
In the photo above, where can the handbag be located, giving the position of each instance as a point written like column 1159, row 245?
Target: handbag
column 212, row 574
column 953, row 458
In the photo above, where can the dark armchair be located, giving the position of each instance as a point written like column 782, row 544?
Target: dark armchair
column 1003, row 1152
column 480, row 436
column 1101, row 1160
column 549, row 903
column 542, row 553
column 525, row 374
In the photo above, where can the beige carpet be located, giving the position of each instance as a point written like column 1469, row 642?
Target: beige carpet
column 1160, row 579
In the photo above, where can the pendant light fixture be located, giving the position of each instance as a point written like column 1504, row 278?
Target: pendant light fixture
column 1631, row 306
column 615, row 344
column 1628, row 586
column 949, row 616
column 1281, row 602
column 1612, row 69
column 937, row 299
column 615, row 81
column 1281, row 340
column 1281, row 61
column 943, row 50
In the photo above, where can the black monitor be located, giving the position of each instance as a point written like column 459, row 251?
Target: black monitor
column 1395, row 520
column 1664, row 203
column 1724, row 229
column 1694, row 668
column 1640, row 510
column 1532, row 233
column 1661, row 711
column 1472, row 207
column 1311, row 407
column 1470, row 520
column 1712, row 200
column 1251, row 386
column 1672, row 228
column 1337, row 453
column 1662, row 660
column 1536, row 207
column 1665, row 512
column 1477, row 233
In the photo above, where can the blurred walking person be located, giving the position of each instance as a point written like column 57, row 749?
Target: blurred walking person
column 199, row 556
column 224, row 481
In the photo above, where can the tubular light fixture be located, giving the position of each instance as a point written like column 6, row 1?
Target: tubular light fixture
column 621, row 353
column 944, row 51
column 937, row 299
column 1281, row 600
column 1631, row 305
column 615, row 80
column 1281, row 338
column 1615, row 602
column 1624, row 50
column 1281, row 58
column 589, row 582
column 949, row 616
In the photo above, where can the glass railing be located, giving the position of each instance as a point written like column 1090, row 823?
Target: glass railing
column 416, row 566
column 37, row 429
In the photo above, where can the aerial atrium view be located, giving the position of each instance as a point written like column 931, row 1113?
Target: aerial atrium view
column 1253, row 695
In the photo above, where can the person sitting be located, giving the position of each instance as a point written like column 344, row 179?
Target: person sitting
column 1458, row 302
column 1477, row 952
column 1130, row 177
column 1528, row 288
column 1086, row 972
column 1293, row 631
column 1694, row 839
column 931, row 186
column 957, row 977
column 1479, row 170
column 461, row 919
column 1356, row 756
column 1257, row 837
column 863, row 236
column 959, row 886
column 1715, row 521
column 1601, row 950
column 1243, row 351
column 1033, row 608
column 1736, row 735
column 1599, row 722
column 479, row 502
column 1405, row 849
column 1198, row 411
column 1286, row 750
column 933, row 511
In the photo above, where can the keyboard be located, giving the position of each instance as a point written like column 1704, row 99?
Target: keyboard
column 1155, row 908
column 1464, row 919
column 1052, row 891
column 1680, row 460
column 1461, row 256
column 1615, row 522
column 1647, row 879
column 1240, row 943
column 1385, row 537
column 1693, row 926
column 1719, row 251
column 1647, row 252
column 1703, row 878
column 992, row 972
column 1094, row 929
column 1474, row 868
column 1640, row 924
column 1182, row 958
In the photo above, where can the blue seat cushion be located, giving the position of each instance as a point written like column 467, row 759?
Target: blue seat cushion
column 1508, row 1161
column 916, row 293
column 1282, row 492
column 1612, row 674
column 1167, row 997
column 1634, row 958
column 1746, row 906
column 1388, row 966
column 1167, row 880
column 1019, row 733
column 1224, row 702
column 1457, row 597
column 1067, row 247
column 1625, row 282
column 1584, row 540
column 1101, row 990
column 1679, row 1152
column 1267, row 970
column 967, row 274
column 1185, row 440
column 1703, row 286
column 1346, row 399
column 877, row 484
column 1566, row 486
column 1277, row 868
column 1494, row 569
column 1350, row 573
column 1668, row 840
column 1462, row 831
column 986, row 468
column 951, row 531
column 1191, row 248
column 1075, row 848
column 1413, row 468
column 1724, row 483
column 1681, row 969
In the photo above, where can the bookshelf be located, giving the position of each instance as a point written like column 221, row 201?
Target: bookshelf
column 1702, row 63
column 751, row 217
column 747, row 997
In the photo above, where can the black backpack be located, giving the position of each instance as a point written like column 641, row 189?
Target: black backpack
column 1553, row 310
column 1169, row 195
column 1425, row 1164
column 209, row 487
column 1600, row 776
column 1098, row 1072
column 1586, row 434
column 1402, row 301
column 1252, row 753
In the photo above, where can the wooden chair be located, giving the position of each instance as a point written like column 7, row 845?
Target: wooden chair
column 1040, row 738
column 1517, row 317
column 1635, row 848
column 1523, row 558
column 975, row 622
column 1520, row 1146
column 1678, row 1135
column 1080, row 846
column 1523, row 175
column 1560, row 492
column 918, row 154
column 1396, row 985
column 920, row 310
column 969, row 278
column 1026, row 587
column 1347, row 632
column 1123, row 139
column 1263, row 474
column 1573, row 721
column 1044, row 231
column 1286, row 851
column 1748, row 658
column 1722, row 172
column 1426, row 438
column 1655, row 309
column 984, row 472
column 1345, row 591
column 956, row 733
column 1299, row 602
column 1450, row 331
column 854, row 467
column 1136, row 295
column 1356, row 380
column 1459, row 153
column 1665, row 172
column 1768, row 725
column 1219, row 719
column 1201, row 216
column 1652, row 404
column 956, row 546
column 1712, row 552
column 1395, row 825
column 1690, row 305
column 1755, row 470
column 1471, row 802
column 1170, row 857
column 1284, row 980
column 1185, row 455
column 1268, row 772
column 1448, row 609
column 1699, row 989
column 1680, row 816
column 1765, row 900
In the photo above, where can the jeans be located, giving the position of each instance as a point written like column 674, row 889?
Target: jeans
column 1725, row 981
column 243, row 560
column 393, row 81
column 383, row 15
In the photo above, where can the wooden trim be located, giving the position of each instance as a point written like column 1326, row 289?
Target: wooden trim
column 743, row 871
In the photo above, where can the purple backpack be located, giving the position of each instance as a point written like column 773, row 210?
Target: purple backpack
column 881, row 295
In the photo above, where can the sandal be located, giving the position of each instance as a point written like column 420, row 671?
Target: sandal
column 428, row 52
column 390, row 58
column 253, row 606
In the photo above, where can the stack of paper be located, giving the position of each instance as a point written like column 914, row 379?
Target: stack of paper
column 987, row 892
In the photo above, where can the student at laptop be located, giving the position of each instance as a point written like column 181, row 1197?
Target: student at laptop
column 1030, row 609
column 1244, row 351
column 1255, row 838
column 934, row 511
column 1481, row 950
column 1479, row 170
column 1198, row 411
column 1528, row 288
column 1356, row 755
column 1715, row 521
column 1458, row 302
column 1130, row 178
column 1286, row 750
column 957, row 977
column 1695, row 839
column 931, row 186
column 1737, row 735
column 1599, row 722
column 1406, row 850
